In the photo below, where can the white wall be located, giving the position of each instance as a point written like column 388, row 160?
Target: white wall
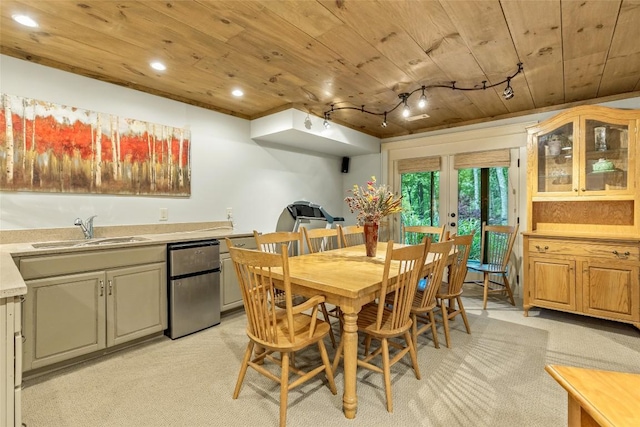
column 361, row 169
column 228, row 168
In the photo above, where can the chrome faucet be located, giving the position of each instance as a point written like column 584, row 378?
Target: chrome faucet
column 86, row 227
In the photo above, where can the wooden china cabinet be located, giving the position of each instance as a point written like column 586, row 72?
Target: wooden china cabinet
column 582, row 244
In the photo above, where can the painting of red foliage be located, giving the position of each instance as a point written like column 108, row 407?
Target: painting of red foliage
column 54, row 148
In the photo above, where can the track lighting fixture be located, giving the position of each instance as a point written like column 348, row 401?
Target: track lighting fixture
column 508, row 91
column 422, row 103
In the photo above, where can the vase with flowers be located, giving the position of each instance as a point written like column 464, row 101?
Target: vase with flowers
column 372, row 203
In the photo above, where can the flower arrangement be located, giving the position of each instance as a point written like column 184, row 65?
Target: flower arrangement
column 373, row 203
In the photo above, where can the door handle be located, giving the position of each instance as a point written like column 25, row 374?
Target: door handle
column 101, row 287
column 110, row 287
column 22, row 300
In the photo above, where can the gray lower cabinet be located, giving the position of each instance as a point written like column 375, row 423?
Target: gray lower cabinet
column 71, row 315
column 231, row 295
column 64, row 318
column 136, row 302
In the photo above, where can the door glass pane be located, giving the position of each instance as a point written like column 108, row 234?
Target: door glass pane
column 483, row 195
column 420, row 199
column 555, row 160
column 606, row 156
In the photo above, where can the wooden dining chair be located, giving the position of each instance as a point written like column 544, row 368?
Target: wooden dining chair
column 413, row 234
column 321, row 239
column 389, row 318
column 495, row 250
column 351, row 235
column 273, row 329
column 450, row 292
column 424, row 301
column 272, row 243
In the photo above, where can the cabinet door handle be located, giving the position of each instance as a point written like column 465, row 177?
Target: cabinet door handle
column 241, row 245
column 541, row 249
column 22, row 300
column 583, row 189
column 101, row 287
column 110, row 287
column 575, row 189
column 624, row 255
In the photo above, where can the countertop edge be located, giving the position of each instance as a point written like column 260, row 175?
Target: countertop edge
column 12, row 283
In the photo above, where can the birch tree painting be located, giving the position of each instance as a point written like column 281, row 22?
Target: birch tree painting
column 54, row 148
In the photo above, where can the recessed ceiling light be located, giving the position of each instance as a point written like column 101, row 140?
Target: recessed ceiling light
column 158, row 66
column 237, row 92
column 24, row 20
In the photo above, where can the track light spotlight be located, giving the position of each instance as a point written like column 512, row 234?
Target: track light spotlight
column 326, row 123
column 423, row 99
column 406, row 110
column 384, row 122
column 508, row 91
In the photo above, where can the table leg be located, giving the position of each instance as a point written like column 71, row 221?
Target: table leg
column 350, row 363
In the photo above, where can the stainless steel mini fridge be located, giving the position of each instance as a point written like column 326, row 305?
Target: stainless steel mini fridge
column 194, row 286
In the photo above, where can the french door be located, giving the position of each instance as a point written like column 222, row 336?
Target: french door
column 479, row 195
column 466, row 190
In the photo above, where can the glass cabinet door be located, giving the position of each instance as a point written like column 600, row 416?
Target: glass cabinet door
column 606, row 156
column 556, row 157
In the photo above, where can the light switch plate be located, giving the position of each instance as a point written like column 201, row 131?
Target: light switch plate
column 164, row 214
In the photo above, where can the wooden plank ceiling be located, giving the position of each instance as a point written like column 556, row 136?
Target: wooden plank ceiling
column 311, row 55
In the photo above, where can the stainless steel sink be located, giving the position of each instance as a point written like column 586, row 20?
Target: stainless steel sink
column 113, row 240
column 63, row 244
column 92, row 242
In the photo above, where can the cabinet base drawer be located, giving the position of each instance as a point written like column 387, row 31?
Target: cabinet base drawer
column 239, row 242
column 586, row 249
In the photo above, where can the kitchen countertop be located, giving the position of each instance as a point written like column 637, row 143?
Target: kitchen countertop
column 12, row 284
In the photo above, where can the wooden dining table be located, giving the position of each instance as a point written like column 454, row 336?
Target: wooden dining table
column 348, row 279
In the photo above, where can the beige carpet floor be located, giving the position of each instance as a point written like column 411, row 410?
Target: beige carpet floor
column 493, row 377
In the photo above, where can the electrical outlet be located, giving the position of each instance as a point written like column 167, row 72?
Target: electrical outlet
column 229, row 214
column 164, row 214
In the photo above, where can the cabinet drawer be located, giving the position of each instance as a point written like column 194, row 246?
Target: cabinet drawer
column 56, row 265
column 586, row 249
column 240, row 242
